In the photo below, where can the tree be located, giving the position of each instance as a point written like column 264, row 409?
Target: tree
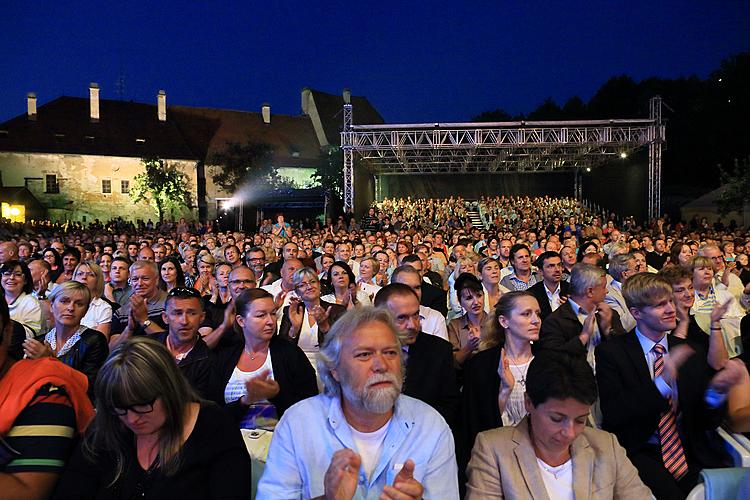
column 330, row 171
column 161, row 184
column 737, row 188
column 244, row 163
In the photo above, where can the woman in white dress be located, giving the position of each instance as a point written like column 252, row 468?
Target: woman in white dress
column 99, row 314
column 368, row 270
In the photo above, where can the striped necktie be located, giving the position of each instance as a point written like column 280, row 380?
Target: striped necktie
column 671, row 446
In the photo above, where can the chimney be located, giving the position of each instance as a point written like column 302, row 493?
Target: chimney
column 347, row 96
column 161, row 100
column 266, row 112
column 31, row 105
column 94, row 101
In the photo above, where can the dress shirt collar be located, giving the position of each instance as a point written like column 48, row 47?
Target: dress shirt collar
column 647, row 345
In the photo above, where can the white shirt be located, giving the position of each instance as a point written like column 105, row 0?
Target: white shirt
column 553, row 297
column 275, row 289
column 27, row 311
column 99, row 313
column 558, row 481
column 433, row 322
column 235, row 387
column 369, row 445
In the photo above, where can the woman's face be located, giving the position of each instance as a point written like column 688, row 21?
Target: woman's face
column 50, row 258
column 359, row 250
column 383, row 261
column 684, row 293
column 205, row 268
column 401, row 249
column 742, row 259
column 69, row 263
column 169, row 272
column 556, row 423
column 365, row 270
column 524, row 321
column 491, row 273
column 144, row 424
column 471, row 301
column 260, row 321
column 85, row 275
column 568, row 256
column 105, row 262
column 222, row 276
column 13, row 281
column 339, row 277
column 308, row 289
column 685, row 255
column 69, row 309
column 702, row 276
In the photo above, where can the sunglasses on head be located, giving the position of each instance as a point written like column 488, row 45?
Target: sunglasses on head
column 184, row 292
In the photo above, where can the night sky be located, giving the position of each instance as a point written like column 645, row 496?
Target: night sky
column 415, row 61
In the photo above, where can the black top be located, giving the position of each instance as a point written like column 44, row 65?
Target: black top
column 291, row 369
column 88, row 355
column 214, row 464
column 197, row 366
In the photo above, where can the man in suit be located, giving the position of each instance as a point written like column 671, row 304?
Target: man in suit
column 655, row 404
column 430, row 374
column 552, row 291
column 621, row 267
column 564, row 328
column 430, row 296
column 432, row 322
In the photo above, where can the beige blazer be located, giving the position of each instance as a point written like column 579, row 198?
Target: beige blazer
column 503, row 465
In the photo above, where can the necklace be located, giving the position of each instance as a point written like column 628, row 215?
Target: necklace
column 254, row 355
column 555, row 471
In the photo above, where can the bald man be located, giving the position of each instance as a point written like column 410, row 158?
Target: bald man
column 8, row 252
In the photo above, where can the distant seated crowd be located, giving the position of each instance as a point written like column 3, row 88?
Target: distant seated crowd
column 402, row 356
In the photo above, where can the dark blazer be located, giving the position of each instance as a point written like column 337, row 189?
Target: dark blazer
column 560, row 331
column 435, row 278
column 431, row 376
column 434, row 297
column 291, row 369
column 479, row 409
column 197, row 366
column 632, row 405
column 88, row 355
column 337, row 311
column 540, row 293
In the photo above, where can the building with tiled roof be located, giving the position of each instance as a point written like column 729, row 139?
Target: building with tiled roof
column 78, row 156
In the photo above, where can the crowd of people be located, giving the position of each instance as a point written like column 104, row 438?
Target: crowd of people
column 408, row 354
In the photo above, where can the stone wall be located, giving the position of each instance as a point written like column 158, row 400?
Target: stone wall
column 79, row 178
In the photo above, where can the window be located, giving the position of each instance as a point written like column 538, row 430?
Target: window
column 50, row 184
column 124, row 186
column 106, row 186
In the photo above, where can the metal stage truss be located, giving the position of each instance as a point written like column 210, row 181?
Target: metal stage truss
column 503, row 147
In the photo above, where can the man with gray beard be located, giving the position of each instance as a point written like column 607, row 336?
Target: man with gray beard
column 362, row 438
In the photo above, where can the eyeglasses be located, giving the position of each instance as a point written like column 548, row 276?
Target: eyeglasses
column 139, row 409
column 303, row 285
column 255, row 259
column 143, row 279
column 17, row 274
column 242, row 282
column 184, row 292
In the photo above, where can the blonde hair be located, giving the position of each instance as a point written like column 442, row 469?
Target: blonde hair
column 94, row 268
column 646, row 289
column 699, row 262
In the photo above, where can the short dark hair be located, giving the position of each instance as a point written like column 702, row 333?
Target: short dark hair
column 72, row 251
column 121, row 258
column 675, row 274
column 343, row 265
column 544, row 256
column 410, row 259
column 393, row 290
column 467, row 281
column 9, row 266
column 559, row 375
column 255, row 250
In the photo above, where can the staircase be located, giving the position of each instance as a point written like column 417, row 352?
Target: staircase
column 475, row 218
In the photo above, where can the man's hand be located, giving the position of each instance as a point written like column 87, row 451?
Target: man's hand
column 260, row 388
column 674, row 360
column 342, row 475
column 138, row 308
column 405, row 487
column 33, row 349
column 604, row 318
column 734, row 371
column 588, row 329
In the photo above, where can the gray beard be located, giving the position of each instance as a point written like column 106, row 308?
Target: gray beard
column 378, row 401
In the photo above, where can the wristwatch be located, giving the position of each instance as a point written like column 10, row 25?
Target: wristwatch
column 146, row 324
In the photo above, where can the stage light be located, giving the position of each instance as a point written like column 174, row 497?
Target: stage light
column 588, row 169
column 623, row 155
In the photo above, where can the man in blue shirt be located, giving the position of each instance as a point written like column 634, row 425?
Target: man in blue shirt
column 362, row 437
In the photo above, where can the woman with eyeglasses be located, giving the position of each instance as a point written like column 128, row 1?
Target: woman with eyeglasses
column 55, row 263
column 24, row 307
column 152, row 436
column 307, row 319
column 345, row 290
column 99, row 314
column 171, row 274
column 82, row 348
column 262, row 374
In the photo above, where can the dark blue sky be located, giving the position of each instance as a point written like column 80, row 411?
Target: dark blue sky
column 415, row 61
